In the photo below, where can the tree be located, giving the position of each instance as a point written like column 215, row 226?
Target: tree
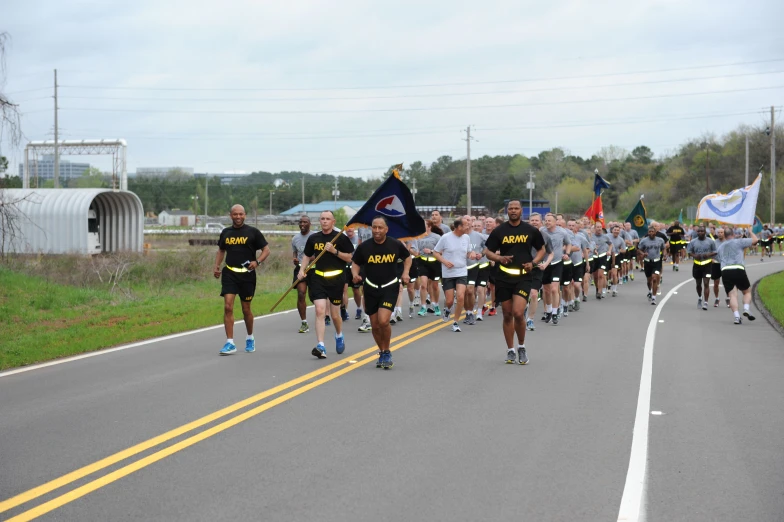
column 92, row 178
column 340, row 218
column 642, row 154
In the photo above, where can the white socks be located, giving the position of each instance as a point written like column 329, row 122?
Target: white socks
column 230, row 341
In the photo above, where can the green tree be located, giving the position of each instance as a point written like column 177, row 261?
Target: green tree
column 642, row 154
column 92, row 178
column 340, row 218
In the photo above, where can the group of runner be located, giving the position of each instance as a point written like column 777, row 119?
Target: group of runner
column 513, row 263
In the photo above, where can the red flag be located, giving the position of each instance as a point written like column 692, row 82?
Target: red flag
column 595, row 212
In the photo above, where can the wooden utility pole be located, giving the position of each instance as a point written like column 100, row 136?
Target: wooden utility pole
column 772, row 166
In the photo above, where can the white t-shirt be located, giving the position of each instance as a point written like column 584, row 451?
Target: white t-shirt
column 454, row 249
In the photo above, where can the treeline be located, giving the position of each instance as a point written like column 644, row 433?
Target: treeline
column 670, row 182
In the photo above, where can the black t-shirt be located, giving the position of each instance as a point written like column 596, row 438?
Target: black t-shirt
column 675, row 233
column 241, row 244
column 328, row 262
column 516, row 241
column 663, row 236
column 381, row 260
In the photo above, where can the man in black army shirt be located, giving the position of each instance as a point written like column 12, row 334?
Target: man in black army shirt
column 325, row 279
column 380, row 259
column 239, row 244
column 677, row 243
column 514, row 240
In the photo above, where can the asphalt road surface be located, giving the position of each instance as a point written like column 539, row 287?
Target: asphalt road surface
column 169, row 430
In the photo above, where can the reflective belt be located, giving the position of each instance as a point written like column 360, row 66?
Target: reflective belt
column 513, row 271
column 652, row 260
column 484, row 265
column 568, row 262
column 367, row 281
column 472, row 266
column 241, row 269
column 706, row 262
column 555, row 262
column 578, row 264
column 741, row 267
column 428, row 259
column 330, row 273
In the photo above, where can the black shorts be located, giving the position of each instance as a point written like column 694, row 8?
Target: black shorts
column 477, row 276
column 484, row 274
column 330, row 289
column 399, row 274
column 780, row 240
column 430, row 269
column 505, row 290
column 537, row 276
column 735, row 278
column 242, row 284
column 349, row 279
column 702, row 271
column 552, row 274
column 376, row 298
column 450, row 283
column 766, row 243
column 296, row 275
column 716, row 271
column 566, row 274
column 616, row 260
column 413, row 273
column 652, row 267
column 578, row 271
column 631, row 254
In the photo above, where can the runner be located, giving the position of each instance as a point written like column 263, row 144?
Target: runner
column 429, row 267
column 489, row 270
column 380, row 258
column 601, row 263
column 733, row 272
column 716, row 267
column 779, row 231
column 240, row 244
column 476, row 292
column 537, row 274
column 618, row 254
column 677, row 243
column 551, row 281
column 514, row 240
column 631, row 250
column 298, row 247
column 766, row 240
column 325, row 282
column 435, row 217
column 652, row 247
column 703, row 250
column 452, row 252
column 579, row 257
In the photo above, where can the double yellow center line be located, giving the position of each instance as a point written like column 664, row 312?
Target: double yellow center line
column 342, row 367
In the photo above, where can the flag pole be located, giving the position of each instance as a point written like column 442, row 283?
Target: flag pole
column 311, row 265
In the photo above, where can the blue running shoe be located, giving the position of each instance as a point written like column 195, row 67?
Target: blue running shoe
column 380, row 362
column 327, row 321
column 358, row 316
column 344, row 314
column 340, row 344
column 319, row 351
column 387, row 364
column 250, row 345
column 436, row 310
column 529, row 325
column 228, row 349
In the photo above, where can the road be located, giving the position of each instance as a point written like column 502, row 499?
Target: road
column 171, row 431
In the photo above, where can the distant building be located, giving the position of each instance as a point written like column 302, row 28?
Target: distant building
column 43, row 169
column 160, row 172
column 225, row 177
column 314, row 210
column 177, row 218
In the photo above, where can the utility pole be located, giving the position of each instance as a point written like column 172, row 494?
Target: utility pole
column 413, row 191
column 271, row 193
column 206, row 197
column 707, row 166
column 468, row 170
column 530, row 187
column 747, row 162
column 772, row 166
column 56, row 138
column 336, row 193
column 303, row 193
column 556, row 202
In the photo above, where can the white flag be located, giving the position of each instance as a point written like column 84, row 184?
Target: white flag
column 736, row 208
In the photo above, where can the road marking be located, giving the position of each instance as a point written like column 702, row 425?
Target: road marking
column 190, row 441
column 64, row 480
column 656, row 413
column 634, row 488
column 104, row 351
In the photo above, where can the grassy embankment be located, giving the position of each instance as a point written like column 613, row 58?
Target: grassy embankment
column 771, row 291
column 56, row 306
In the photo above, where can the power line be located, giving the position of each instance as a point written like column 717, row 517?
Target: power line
column 411, row 86
column 426, row 109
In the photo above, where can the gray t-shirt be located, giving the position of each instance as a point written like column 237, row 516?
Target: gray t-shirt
column 429, row 241
column 653, row 248
column 602, row 242
column 477, row 246
column 580, row 241
column 443, row 226
column 618, row 243
column 730, row 252
column 454, row 249
column 364, row 234
column 766, row 234
column 298, row 244
column 701, row 246
column 559, row 238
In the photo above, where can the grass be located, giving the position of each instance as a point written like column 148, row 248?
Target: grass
column 771, row 291
column 56, row 306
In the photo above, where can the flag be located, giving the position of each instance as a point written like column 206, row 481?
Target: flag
column 639, row 219
column 599, row 184
column 757, row 227
column 394, row 201
column 736, row 208
column 595, row 211
column 680, row 217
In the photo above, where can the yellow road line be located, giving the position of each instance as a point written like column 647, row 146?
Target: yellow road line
column 190, row 441
column 176, row 432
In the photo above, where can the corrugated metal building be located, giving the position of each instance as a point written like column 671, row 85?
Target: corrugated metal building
column 314, row 210
column 76, row 221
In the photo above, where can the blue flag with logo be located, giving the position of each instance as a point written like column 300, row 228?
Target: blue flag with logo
column 757, row 227
column 394, row 201
column 599, row 184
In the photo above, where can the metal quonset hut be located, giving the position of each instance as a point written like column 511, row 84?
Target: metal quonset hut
column 77, row 221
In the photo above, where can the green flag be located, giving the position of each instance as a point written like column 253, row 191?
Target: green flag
column 680, row 217
column 639, row 219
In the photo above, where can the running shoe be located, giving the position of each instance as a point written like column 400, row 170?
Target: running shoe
column 716, row 303
column 529, row 325
column 728, row 302
column 511, row 356
column 399, row 315
column 319, row 351
column 467, row 319
column 548, row 318
column 416, row 301
column 738, row 321
column 492, row 312
column 344, row 314
column 365, row 327
column 484, row 309
column 631, row 276
column 327, row 321
column 422, row 312
column 544, row 317
column 479, row 316
column 653, row 300
column 456, row 327
column 585, row 298
column 340, row 344
column 303, row 327
column 570, row 308
column 747, row 315
column 577, row 305
column 358, row 315
column 699, row 303
column 555, row 320
column 522, row 357
column 650, row 295
column 436, row 310
column 410, row 311
column 392, row 319
column 250, row 345
column 445, row 315
column 615, row 293
column 473, row 319
column 427, row 301
column 387, row 364
column 380, row 361
column 228, row 349
column 705, row 305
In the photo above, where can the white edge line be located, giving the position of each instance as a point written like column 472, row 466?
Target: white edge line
column 634, row 488
column 104, row 351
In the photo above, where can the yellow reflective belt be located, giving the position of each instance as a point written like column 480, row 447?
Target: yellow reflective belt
column 330, row 273
column 568, row 262
column 374, row 285
column 241, row 269
column 426, row 258
column 732, row 267
column 472, row 266
column 513, row 271
column 706, row 262
column 652, row 260
column 484, row 265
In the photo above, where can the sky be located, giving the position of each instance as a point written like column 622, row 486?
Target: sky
column 351, row 87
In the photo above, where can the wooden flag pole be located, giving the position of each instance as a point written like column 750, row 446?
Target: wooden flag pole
column 307, row 269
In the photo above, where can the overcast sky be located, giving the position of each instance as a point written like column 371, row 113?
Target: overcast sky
column 354, row 86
